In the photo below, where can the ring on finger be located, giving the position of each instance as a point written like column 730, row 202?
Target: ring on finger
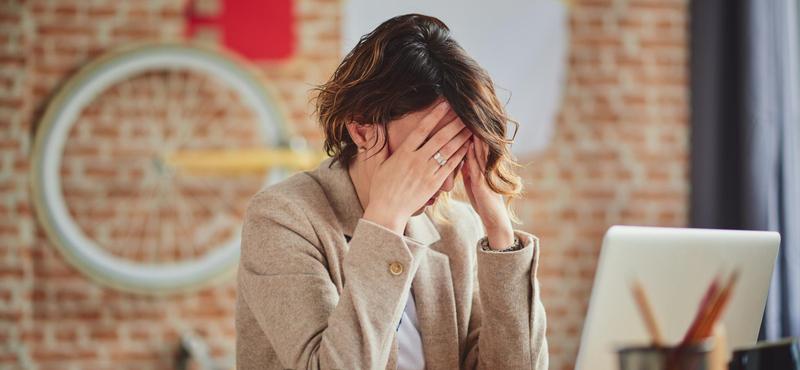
column 439, row 158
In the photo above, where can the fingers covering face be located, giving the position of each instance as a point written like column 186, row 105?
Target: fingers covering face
column 415, row 139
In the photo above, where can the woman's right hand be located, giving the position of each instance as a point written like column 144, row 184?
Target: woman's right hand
column 405, row 180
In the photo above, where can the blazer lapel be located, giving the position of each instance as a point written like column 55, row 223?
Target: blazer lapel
column 340, row 192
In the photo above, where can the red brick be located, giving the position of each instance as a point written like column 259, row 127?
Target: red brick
column 102, row 11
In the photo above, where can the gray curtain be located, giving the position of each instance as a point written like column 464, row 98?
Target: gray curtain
column 745, row 134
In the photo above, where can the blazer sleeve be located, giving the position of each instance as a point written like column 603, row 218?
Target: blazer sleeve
column 285, row 282
column 507, row 323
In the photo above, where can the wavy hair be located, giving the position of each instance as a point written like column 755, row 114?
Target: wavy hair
column 405, row 65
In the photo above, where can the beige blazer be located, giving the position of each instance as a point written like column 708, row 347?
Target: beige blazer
column 321, row 288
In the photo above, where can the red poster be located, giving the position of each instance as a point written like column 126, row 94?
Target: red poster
column 257, row 29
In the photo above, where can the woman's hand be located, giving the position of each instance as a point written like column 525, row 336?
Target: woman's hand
column 403, row 182
column 488, row 204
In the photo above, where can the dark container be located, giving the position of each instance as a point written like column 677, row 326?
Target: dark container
column 692, row 357
column 780, row 355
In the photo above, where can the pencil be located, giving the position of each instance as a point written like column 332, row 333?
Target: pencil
column 719, row 307
column 647, row 313
column 705, row 308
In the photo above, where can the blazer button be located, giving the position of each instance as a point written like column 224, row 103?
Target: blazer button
column 396, row 268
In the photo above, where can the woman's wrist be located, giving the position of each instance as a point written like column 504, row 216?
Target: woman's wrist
column 501, row 238
column 380, row 216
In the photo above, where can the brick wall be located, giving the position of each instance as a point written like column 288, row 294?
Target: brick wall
column 16, row 219
column 619, row 156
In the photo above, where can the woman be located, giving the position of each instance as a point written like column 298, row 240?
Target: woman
column 346, row 267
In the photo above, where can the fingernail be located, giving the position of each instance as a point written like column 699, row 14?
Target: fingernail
column 443, row 105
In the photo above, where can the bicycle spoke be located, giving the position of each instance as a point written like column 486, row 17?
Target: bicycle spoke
column 220, row 200
column 177, row 199
column 170, row 84
column 116, row 248
column 185, row 118
column 127, row 221
column 154, row 248
column 143, row 223
column 201, row 203
column 194, row 221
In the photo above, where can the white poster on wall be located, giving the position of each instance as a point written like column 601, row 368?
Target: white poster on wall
column 523, row 45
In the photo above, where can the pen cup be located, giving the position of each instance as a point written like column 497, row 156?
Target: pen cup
column 690, row 357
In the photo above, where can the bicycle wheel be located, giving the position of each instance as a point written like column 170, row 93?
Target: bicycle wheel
column 102, row 189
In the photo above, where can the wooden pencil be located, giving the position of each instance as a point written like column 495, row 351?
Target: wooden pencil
column 647, row 313
column 719, row 307
column 703, row 310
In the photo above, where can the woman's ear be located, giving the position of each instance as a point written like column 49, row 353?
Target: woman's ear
column 362, row 134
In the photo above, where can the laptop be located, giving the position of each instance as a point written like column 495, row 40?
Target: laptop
column 676, row 266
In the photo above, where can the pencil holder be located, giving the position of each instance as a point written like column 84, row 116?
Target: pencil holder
column 708, row 354
column 691, row 357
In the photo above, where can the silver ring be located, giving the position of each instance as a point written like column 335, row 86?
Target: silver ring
column 438, row 157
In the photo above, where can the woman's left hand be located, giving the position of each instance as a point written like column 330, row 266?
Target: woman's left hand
column 488, row 204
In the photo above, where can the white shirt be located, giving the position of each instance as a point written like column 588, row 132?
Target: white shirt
column 410, row 355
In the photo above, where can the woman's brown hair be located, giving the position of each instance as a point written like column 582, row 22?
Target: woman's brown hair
column 405, row 65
